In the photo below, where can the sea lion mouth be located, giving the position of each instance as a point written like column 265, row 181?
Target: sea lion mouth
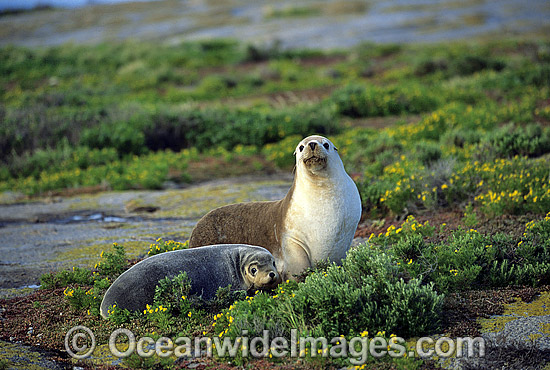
column 315, row 160
column 266, row 282
column 315, row 163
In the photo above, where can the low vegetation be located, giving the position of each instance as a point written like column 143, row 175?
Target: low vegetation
column 392, row 284
column 422, row 129
column 465, row 123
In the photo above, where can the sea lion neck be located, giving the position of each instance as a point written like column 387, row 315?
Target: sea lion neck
column 237, row 263
column 308, row 181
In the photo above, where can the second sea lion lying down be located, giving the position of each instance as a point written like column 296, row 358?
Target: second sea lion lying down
column 242, row 266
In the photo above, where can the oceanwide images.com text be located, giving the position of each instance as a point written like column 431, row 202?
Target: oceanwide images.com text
column 80, row 343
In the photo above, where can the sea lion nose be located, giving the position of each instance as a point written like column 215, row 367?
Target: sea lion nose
column 312, row 145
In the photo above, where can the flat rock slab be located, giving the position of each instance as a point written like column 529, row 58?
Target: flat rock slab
column 53, row 234
column 517, row 339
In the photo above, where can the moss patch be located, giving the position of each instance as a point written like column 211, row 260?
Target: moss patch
column 102, row 355
column 87, row 255
column 495, row 324
column 539, row 307
column 516, row 310
column 521, row 324
column 23, row 357
column 195, row 202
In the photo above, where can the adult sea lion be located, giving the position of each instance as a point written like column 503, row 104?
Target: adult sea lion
column 243, row 266
column 316, row 219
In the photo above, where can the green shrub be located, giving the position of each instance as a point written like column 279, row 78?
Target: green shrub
column 372, row 192
column 64, row 157
column 220, row 127
column 119, row 315
column 370, row 101
column 4, row 364
column 149, row 171
column 162, row 246
column 535, row 244
column 509, row 141
column 86, row 298
column 469, row 258
column 259, row 128
column 64, row 278
column 371, row 50
column 365, row 293
column 173, row 293
column 538, row 75
column 427, row 152
column 470, row 218
column 469, row 64
column 112, row 263
column 446, row 159
column 121, row 135
column 460, row 137
column 368, row 294
column 258, row 53
column 461, row 65
column 429, row 66
column 34, row 126
column 281, row 153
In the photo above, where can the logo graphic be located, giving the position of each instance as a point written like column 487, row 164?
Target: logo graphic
column 76, row 342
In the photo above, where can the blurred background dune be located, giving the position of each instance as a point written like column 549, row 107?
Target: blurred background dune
column 322, row 24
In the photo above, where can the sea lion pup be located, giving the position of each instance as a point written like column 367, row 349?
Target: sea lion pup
column 243, row 266
column 316, row 219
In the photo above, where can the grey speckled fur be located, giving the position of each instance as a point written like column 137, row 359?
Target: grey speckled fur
column 208, row 267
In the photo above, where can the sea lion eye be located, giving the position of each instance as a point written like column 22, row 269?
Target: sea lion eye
column 301, row 147
column 253, row 271
column 326, row 146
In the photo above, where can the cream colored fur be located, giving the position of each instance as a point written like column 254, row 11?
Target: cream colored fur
column 324, row 211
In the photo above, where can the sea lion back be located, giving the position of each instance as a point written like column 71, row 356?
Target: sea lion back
column 252, row 223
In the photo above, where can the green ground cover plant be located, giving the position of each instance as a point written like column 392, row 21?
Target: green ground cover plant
column 393, row 284
column 467, row 123
column 367, row 301
column 469, row 258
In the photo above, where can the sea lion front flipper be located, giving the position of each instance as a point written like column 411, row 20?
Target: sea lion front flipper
column 297, row 259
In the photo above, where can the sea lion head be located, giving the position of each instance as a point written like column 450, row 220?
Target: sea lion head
column 259, row 270
column 316, row 154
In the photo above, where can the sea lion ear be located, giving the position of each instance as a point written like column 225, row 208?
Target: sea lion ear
column 335, row 148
